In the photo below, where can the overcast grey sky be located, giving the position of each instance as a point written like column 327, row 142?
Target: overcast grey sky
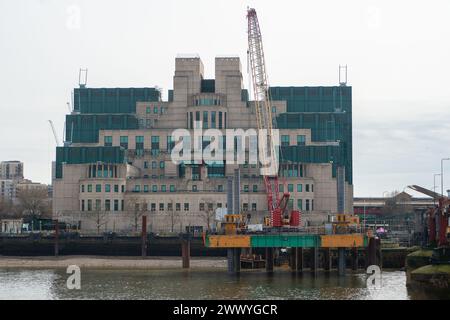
column 397, row 52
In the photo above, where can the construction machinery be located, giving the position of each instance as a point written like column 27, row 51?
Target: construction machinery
column 437, row 217
column 276, row 205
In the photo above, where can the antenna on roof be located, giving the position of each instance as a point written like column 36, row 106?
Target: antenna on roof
column 342, row 75
column 82, row 78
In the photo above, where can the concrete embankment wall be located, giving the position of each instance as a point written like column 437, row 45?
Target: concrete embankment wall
column 103, row 246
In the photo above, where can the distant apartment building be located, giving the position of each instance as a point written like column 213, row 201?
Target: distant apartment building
column 8, row 190
column 12, row 181
column 11, row 170
column 116, row 162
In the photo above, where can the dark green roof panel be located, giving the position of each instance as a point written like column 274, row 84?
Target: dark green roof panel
column 112, row 100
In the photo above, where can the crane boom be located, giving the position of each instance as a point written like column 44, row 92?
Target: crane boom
column 54, row 133
column 264, row 121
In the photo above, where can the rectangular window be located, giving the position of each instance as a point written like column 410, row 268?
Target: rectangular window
column 284, row 140
column 161, row 164
column 178, row 206
column 255, row 188
column 245, row 206
column 153, row 207
column 220, row 188
column 139, row 145
column 205, row 119
column 107, row 205
column 145, row 188
column 307, row 187
column 290, row 187
column 154, row 188
column 170, row 143
column 89, row 205
column 312, row 205
column 145, row 164
column 82, row 205
column 89, row 188
column 108, row 141
column 201, row 206
column 155, row 145
column 82, row 188
column 246, row 188
column 186, row 206
column 197, row 119
column 98, row 204
column 153, row 164
column 148, row 110
column 213, row 119
column 299, row 204
column 170, row 206
column 155, row 109
column 312, row 188
column 172, row 188
column 161, row 207
column 274, row 109
column 300, row 140
column 98, row 188
column 123, row 188
column 253, row 206
column 137, row 188
column 124, row 142
column 220, row 119
column 299, row 187
column 307, row 204
column 116, row 205
column 116, row 188
column 281, row 188
column 107, row 188
column 163, row 188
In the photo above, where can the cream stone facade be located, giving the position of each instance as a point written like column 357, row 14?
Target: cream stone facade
column 106, row 196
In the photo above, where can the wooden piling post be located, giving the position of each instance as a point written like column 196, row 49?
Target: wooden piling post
column 144, row 236
column 56, row 237
column 269, row 260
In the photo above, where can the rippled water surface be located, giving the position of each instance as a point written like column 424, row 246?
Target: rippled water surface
column 197, row 284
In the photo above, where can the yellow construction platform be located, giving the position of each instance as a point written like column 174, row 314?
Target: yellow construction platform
column 342, row 241
column 229, row 241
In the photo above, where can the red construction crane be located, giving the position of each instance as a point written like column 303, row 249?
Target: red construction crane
column 277, row 206
column 438, row 217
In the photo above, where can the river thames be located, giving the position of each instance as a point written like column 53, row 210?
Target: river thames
column 199, row 284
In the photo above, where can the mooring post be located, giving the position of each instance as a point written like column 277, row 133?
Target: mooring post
column 56, row 237
column 299, row 258
column 327, row 261
column 293, row 259
column 355, row 258
column 237, row 260
column 371, row 252
column 341, row 261
column 144, row 236
column 269, row 260
column 185, row 251
column 314, row 260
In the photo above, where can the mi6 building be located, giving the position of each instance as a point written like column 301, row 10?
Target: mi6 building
column 116, row 165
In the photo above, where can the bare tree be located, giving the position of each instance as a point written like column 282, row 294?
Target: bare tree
column 138, row 208
column 8, row 209
column 34, row 202
column 100, row 219
column 395, row 204
column 174, row 217
column 208, row 213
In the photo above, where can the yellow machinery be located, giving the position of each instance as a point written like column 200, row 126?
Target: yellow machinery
column 233, row 223
column 345, row 223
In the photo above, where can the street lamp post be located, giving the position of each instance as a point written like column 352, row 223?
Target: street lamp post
column 442, row 174
column 434, row 184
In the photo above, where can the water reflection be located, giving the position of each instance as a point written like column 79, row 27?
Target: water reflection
column 204, row 284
